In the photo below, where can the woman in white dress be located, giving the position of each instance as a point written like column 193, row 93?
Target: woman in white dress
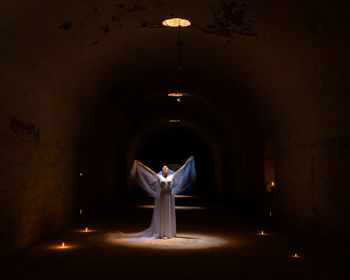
column 163, row 186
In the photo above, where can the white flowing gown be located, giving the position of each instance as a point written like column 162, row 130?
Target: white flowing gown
column 163, row 190
column 166, row 213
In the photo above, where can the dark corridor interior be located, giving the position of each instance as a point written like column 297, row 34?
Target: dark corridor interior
column 173, row 145
column 257, row 91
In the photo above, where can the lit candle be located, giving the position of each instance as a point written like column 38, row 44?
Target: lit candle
column 296, row 256
column 272, row 183
column 62, row 246
column 270, row 213
column 86, row 229
column 81, row 211
column 81, row 174
column 262, row 233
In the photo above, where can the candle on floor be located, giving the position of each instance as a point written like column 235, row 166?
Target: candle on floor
column 262, row 233
column 61, row 246
column 85, row 230
column 296, row 256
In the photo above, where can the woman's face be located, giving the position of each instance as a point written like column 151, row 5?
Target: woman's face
column 165, row 171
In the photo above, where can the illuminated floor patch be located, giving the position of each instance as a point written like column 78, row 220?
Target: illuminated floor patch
column 182, row 241
column 176, row 207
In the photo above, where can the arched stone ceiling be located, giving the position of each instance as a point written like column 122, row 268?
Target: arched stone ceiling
column 279, row 59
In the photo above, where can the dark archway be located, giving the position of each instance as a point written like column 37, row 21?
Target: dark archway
column 172, row 145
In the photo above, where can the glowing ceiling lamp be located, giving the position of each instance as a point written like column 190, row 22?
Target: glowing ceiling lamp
column 176, row 22
column 175, row 94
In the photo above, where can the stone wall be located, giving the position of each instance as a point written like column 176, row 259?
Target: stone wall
column 314, row 186
column 37, row 188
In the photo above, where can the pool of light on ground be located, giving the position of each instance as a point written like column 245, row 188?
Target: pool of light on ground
column 186, row 240
column 176, row 207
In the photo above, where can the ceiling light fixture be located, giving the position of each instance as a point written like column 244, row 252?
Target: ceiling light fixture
column 176, row 22
column 179, row 23
column 175, row 94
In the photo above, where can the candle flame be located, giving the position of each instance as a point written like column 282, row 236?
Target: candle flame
column 81, row 211
column 81, row 174
column 62, row 246
column 272, row 183
column 86, row 229
column 296, row 256
column 262, row 232
column 270, row 213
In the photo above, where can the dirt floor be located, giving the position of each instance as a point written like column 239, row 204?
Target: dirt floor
column 212, row 243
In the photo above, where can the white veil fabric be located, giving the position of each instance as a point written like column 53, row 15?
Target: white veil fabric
column 148, row 181
column 184, row 178
column 181, row 182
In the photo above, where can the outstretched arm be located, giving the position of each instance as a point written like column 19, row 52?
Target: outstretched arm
column 146, row 167
column 146, row 178
column 184, row 166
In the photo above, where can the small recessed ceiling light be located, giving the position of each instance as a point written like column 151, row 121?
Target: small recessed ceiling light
column 176, row 22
